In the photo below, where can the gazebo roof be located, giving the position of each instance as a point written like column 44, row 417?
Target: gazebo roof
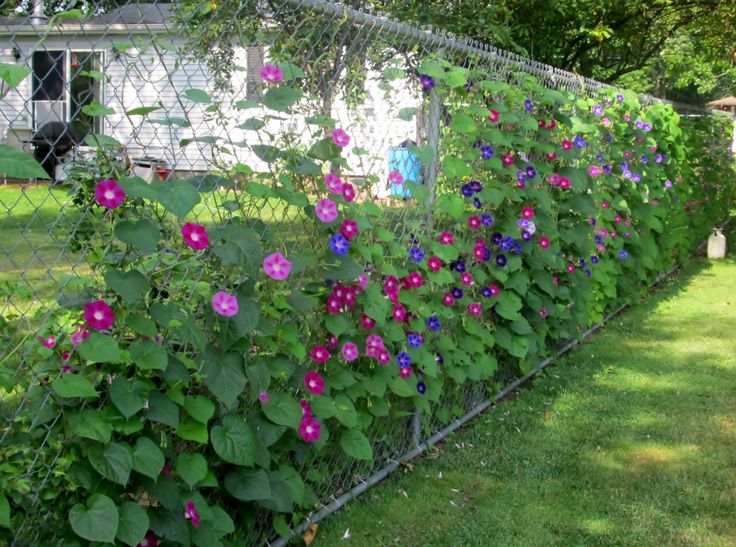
column 725, row 101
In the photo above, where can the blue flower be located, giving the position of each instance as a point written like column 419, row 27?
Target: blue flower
column 458, row 265
column 486, row 254
column 579, row 141
column 501, row 260
column 403, row 359
column 433, row 323
column 486, row 220
column 414, row 340
column 529, row 105
column 623, row 255
column 598, row 239
column 421, row 388
column 520, row 177
column 526, row 236
column 598, row 110
column 486, row 152
column 457, row 293
column 485, row 292
column 426, row 81
column 506, row 243
column 601, row 158
column 496, row 238
column 476, row 203
column 594, row 259
column 466, row 190
column 644, row 158
column 475, row 186
column 416, row 254
column 517, row 248
column 339, row 244
column 620, row 98
column 438, row 358
column 588, row 273
column 647, row 127
column 531, row 172
column 582, row 263
column 639, row 124
column 606, row 169
column 659, row 158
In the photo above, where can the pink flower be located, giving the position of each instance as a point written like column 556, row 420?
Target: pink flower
column 366, row 322
column 552, row 156
column 527, row 213
column 190, row 513
column 319, row 354
column 543, row 242
column 332, row 341
column 326, row 210
column 434, row 263
column 314, row 382
column 348, row 192
column 448, row 299
column 466, row 279
column 108, row 193
column 263, row 397
column 349, row 228
column 66, row 356
column 48, row 342
column 195, row 236
column 474, row 222
column 475, row 309
column 384, row 357
column 391, row 284
column 362, row 280
column 334, row 183
column 394, row 177
column 415, row 280
column 272, row 74
column 613, row 235
column 334, row 304
column 309, row 429
column 446, row 238
column 554, row 179
column 276, row 266
column 399, row 313
column 566, row 145
column 149, row 540
column 493, row 115
column 606, row 121
column 340, row 137
column 594, row 171
column 349, row 351
column 306, row 408
column 79, row 336
column 570, row 267
column 479, row 251
column 627, row 118
column 555, row 280
column 495, row 291
column 601, row 248
column 99, row 315
column 373, row 342
column 225, row 304
column 508, row 159
column 405, row 372
column 617, row 219
column 543, row 313
column 564, row 183
column 605, row 204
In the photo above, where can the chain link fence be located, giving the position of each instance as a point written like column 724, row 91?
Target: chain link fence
column 169, row 92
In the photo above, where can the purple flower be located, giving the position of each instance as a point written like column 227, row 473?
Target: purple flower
column 339, row 245
column 526, row 236
column 668, row 184
column 485, row 292
column 414, row 340
column 486, row 152
column 588, row 273
column 623, row 255
column 620, row 98
column 594, row 259
column 458, row 265
column 403, row 359
column 438, row 358
column 416, row 254
column 644, row 158
column 529, row 105
column 421, row 388
column 466, row 191
column 496, row 238
column 598, row 110
column 457, row 293
column 501, row 260
column 606, row 169
column 639, row 124
column 647, row 127
column 475, row 186
column 486, row 220
column 579, row 141
column 426, row 81
column 433, row 323
column 659, row 158
column 530, row 172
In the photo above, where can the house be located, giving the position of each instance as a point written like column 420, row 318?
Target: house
column 116, row 62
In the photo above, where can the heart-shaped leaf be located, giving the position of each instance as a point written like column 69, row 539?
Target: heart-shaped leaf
column 178, row 197
column 148, row 355
column 114, row 462
column 355, row 444
column 148, row 458
column 129, row 396
column 20, row 165
column 99, row 348
column 133, row 525
column 248, row 484
column 192, row 468
column 130, row 285
column 234, row 441
column 143, row 234
column 97, row 521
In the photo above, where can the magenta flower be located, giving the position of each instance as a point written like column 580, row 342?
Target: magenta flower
column 272, row 74
column 48, row 342
column 319, row 354
column 366, row 322
column 334, row 183
column 564, row 183
column 149, row 540
column 594, row 171
column 334, row 304
column 543, row 313
column 495, row 291
column 79, row 336
column 448, row 299
column 348, row 192
column 415, row 280
column 394, row 177
column 373, row 342
column 195, row 236
column 566, row 145
column 349, row 228
column 446, row 238
column 276, row 266
column 570, row 267
column 362, row 280
column 543, row 242
column 332, row 341
column 399, row 313
column 340, row 137
column 190, row 513
column 225, row 304
column 474, row 222
column 314, row 382
column 309, row 429
column 108, row 193
column 99, row 315
column 605, row 204
column 466, row 279
column 405, row 372
column 493, row 116
column 527, row 213
column 475, row 309
column 434, row 263
column 508, row 159
column 263, row 397
column 349, row 351
column 66, row 356
column 384, row 357
column 326, row 210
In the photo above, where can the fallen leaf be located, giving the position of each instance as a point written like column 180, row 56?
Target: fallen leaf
column 346, row 535
column 309, row 535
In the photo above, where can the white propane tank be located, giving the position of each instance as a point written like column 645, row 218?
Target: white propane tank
column 717, row 244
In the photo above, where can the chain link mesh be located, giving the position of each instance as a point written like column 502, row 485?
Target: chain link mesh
column 167, row 90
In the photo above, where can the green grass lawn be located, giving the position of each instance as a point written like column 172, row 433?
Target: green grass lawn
column 629, row 440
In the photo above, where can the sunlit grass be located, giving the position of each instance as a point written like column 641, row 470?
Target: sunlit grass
column 630, row 440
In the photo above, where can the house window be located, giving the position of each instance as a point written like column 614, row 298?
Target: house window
column 254, row 82
column 48, row 75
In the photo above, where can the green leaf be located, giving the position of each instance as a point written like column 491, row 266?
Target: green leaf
column 143, row 234
column 136, row 187
column 4, row 512
column 234, row 441
column 355, row 444
column 17, row 164
column 252, row 124
column 393, row 73
column 97, row 521
column 192, row 468
column 266, row 152
column 345, row 411
column 281, row 499
column 178, row 197
column 462, row 123
column 13, row 75
column 199, row 407
column 148, row 355
column 197, row 96
column 242, row 248
column 337, row 324
column 99, row 348
column 281, row 98
column 346, row 269
column 454, row 167
column 128, row 395
column 69, row 386
column 142, row 110
column 101, row 141
column 114, row 462
column 89, row 424
column 432, row 68
column 191, row 430
column 451, row 204
column 248, row 484
column 161, row 409
column 324, row 150
column 141, row 325
column 282, row 409
column 129, row 285
column 133, row 525
column 291, row 71
column 95, row 109
column 407, row 113
column 224, row 376
column 148, row 459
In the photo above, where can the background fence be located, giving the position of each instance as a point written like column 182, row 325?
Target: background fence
column 168, row 92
